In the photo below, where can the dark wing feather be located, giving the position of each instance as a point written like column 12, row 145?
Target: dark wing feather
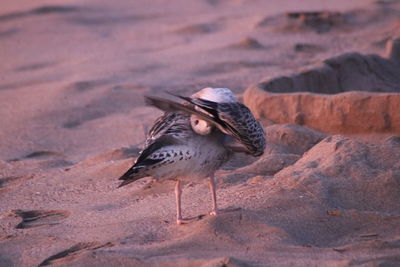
column 169, row 106
column 243, row 126
column 167, row 123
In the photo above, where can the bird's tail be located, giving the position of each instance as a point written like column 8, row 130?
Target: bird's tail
column 131, row 175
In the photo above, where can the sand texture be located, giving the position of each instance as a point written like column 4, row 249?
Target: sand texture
column 322, row 76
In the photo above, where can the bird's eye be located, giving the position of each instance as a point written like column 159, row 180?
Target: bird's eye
column 196, row 122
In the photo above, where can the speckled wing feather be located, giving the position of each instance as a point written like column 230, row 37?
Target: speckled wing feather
column 172, row 128
column 238, row 121
column 174, row 124
column 232, row 118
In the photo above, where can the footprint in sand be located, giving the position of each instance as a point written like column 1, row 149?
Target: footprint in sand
column 115, row 98
column 69, row 255
column 36, row 218
column 307, row 48
column 202, row 28
column 10, row 182
column 34, row 66
column 43, row 10
column 44, row 153
column 101, row 20
column 91, row 115
column 9, row 32
column 86, row 85
column 48, row 159
column 6, row 181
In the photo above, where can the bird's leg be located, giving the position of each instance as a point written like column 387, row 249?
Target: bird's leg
column 178, row 193
column 179, row 219
column 213, row 195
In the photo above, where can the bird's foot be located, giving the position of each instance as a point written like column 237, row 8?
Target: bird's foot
column 214, row 212
column 181, row 221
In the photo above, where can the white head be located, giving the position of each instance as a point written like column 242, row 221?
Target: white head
column 220, row 95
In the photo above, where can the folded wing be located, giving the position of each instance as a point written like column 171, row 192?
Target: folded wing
column 170, row 129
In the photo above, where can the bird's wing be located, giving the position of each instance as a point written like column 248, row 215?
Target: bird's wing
column 172, row 128
column 172, row 106
column 175, row 124
column 238, row 122
column 234, row 119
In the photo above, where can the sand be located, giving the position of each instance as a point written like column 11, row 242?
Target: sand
column 322, row 77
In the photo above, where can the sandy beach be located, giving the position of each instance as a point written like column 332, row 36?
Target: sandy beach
column 323, row 78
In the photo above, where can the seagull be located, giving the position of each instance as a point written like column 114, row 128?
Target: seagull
column 193, row 138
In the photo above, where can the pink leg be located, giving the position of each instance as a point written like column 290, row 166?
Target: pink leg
column 178, row 193
column 214, row 195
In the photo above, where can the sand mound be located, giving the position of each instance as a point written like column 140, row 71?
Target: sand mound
column 335, row 196
column 337, row 110
column 347, row 187
column 349, row 174
column 286, row 143
column 292, row 138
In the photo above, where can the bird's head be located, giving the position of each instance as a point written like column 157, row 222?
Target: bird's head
column 219, row 95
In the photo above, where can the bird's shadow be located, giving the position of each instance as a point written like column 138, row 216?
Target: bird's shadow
column 202, row 216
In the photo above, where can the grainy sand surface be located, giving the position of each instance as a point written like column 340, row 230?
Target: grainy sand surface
column 72, row 119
